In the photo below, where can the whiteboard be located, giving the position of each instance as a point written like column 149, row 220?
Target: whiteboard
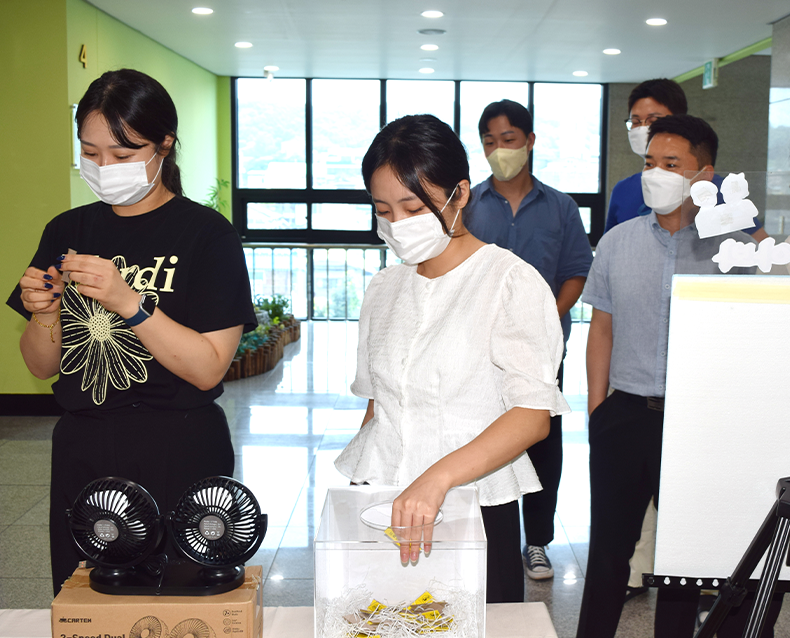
column 726, row 422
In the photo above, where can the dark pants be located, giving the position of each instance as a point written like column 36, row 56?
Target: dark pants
column 505, row 567
column 538, row 508
column 625, row 461
column 162, row 450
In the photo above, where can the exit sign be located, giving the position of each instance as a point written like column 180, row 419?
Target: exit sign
column 710, row 74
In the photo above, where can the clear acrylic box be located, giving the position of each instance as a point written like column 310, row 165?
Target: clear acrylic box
column 357, row 563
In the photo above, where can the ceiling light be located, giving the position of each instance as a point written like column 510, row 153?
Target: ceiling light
column 580, row 74
column 271, row 68
column 427, row 59
column 656, row 22
column 431, row 14
column 243, row 45
column 431, row 31
column 426, row 70
column 202, row 11
column 430, row 47
column 612, row 51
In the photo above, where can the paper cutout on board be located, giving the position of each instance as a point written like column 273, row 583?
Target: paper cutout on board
column 736, row 213
column 735, row 253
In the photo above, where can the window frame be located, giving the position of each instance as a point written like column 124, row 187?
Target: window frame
column 240, row 197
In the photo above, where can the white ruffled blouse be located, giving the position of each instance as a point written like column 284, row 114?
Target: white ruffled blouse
column 443, row 358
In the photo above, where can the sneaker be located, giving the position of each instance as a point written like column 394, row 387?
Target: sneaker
column 538, row 564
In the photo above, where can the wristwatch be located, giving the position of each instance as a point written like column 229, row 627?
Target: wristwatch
column 145, row 309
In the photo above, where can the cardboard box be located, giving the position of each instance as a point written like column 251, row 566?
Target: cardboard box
column 80, row 612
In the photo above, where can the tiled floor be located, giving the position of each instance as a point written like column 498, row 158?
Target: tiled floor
column 288, row 427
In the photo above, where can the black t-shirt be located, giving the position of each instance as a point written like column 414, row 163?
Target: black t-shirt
column 187, row 256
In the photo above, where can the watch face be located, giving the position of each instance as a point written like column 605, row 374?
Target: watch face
column 148, row 304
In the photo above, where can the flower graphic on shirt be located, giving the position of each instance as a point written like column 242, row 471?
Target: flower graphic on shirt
column 99, row 343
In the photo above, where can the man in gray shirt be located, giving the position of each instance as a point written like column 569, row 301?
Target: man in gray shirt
column 629, row 287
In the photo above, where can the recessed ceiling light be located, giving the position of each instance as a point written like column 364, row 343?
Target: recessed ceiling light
column 580, row 74
column 271, row 67
column 426, row 70
column 243, row 45
column 432, row 31
column 612, row 51
column 656, row 22
column 427, row 59
column 202, row 11
column 431, row 14
column 430, row 47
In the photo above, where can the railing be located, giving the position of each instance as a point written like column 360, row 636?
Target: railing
column 326, row 281
column 323, row 281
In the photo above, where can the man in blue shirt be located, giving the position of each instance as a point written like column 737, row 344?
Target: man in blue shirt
column 629, row 287
column 649, row 101
column 542, row 226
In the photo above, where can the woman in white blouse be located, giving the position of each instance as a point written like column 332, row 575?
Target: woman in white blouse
column 458, row 351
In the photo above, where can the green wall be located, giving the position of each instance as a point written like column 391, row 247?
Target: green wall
column 112, row 45
column 41, row 77
column 34, row 178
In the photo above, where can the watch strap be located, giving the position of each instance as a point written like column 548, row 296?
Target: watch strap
column 142, row 312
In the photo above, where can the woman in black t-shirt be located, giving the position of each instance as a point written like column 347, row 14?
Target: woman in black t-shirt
column 138, row 301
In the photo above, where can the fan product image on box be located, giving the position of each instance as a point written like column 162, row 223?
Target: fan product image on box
column 217, row 526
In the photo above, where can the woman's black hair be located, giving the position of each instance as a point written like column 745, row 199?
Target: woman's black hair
column 420, row 150
column 133, row 102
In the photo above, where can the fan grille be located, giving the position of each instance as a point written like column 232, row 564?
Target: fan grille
column 217, row 522
column 113, row 522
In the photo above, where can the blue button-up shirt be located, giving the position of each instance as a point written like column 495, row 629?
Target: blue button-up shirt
column 547, row 232
column 631, row 279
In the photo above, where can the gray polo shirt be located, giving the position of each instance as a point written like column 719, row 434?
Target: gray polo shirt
column 631, row 279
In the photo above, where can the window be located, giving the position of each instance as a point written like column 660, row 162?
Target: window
column 297, row 185
column 345, row 121
column 270, row 216
column 271, row 133
column 567, row 149
column 415, row 97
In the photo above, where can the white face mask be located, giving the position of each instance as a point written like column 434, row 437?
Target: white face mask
column 663, row 190
column 637, row 137
column 416, row 239
column 118, row 184
column 506, row 163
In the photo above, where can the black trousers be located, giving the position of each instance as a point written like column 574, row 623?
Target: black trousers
column 538, row 508
column 165, row 451
column 505, row 567
column 625, row 461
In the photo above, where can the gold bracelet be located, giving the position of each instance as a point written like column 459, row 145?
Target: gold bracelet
column 51, row 328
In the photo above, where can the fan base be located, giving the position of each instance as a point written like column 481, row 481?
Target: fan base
column 180, row 578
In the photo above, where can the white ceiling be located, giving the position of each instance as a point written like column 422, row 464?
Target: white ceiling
column 485, row 40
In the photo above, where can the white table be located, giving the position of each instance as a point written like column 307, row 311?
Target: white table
column 504, row 620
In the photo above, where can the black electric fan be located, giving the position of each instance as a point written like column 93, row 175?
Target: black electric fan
column 116, row 525
column 218, row 525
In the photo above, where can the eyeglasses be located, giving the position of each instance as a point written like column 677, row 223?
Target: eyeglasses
column 633, row 122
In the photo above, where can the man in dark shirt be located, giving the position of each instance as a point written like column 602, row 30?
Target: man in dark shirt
column 541, row 225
